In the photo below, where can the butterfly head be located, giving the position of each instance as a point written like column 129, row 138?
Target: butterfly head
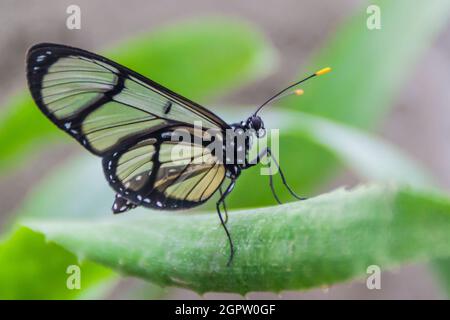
column 255, row 123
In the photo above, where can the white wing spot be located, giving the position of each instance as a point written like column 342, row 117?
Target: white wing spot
column 40, row 58
column 127, row 185
column 123, row 208
column 147, row 200
column 139, row 197
column 67, row 125
column 139, row 177
column 159, row 204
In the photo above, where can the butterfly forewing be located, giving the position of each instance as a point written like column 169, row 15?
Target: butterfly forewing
column 120, row 115
column 101, row 103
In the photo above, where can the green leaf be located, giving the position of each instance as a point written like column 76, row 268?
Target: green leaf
column 35, row 269
column 22, row 276
column 73, row 198
column 199, row 59
column 320, row 241
column 369, row 68
column 75, row 189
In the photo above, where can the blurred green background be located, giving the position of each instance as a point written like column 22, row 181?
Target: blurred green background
column 382, row 115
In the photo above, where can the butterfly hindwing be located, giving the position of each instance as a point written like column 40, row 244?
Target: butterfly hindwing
column 101, row 103
column 160, row 172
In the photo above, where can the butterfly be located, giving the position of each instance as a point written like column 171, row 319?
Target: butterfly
column 133, row 124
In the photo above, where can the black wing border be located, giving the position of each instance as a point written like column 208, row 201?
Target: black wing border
column 34, row 79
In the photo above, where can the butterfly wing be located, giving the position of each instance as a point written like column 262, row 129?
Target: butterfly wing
column 163, row 173
column 128, row 120
column 101, row 103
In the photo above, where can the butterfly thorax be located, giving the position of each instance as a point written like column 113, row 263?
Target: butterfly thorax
column 238, row 143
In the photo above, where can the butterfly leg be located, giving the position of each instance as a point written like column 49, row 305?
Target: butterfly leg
column 283, row 178
column 272, row 188
column 224, row 206
column 261, row 155
column 221, row 201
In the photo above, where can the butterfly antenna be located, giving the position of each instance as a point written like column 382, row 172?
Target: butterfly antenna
column 285, row 92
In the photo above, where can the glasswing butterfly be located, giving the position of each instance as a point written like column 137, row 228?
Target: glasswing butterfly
column 131, row 121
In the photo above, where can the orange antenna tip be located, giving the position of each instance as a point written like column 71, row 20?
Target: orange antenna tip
column 286, row 91
column 323, row 71
column 299, row 92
